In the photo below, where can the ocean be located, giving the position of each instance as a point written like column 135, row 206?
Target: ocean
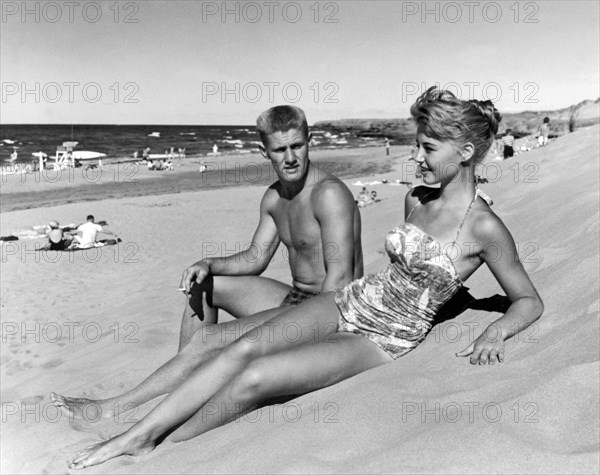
column 121, row 141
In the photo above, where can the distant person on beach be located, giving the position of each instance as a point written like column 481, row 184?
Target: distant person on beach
column 57, row 239
column 308, row 210
column 88, row 233
column 544, row 131
column 371, row 321
column 364, row 192
column 202, row 168
column 387, row 146
column 363, row 198
column 146, row 154
column 509, row 142
column 215, row 149
column 181, row 153
column 13, row 160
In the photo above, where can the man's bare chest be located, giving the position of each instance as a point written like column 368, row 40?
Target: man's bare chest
column 297, row 225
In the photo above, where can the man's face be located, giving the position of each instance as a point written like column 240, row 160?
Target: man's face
column 288, row 152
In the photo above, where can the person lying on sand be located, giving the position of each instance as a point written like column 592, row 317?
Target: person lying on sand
column 312, row 212
column 373, row 320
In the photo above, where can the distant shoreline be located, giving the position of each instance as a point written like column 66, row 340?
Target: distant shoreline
column 120, row 179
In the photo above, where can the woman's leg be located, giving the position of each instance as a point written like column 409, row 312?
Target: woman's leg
column 296, row 371
column 311, row 322
column 207, row 342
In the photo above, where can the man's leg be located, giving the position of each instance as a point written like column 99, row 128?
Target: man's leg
column 208, row 340
column 240, row 296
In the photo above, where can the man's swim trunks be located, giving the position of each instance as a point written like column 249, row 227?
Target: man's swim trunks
column 297, row 296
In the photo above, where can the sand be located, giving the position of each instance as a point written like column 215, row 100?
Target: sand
column 95, row 324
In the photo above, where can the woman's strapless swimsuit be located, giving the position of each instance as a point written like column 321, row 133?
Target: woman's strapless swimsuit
column 396, row 307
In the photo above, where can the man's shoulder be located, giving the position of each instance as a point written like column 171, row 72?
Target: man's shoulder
column 330, row 187
column 273, row 192
column 271, row 196
column 331, row 193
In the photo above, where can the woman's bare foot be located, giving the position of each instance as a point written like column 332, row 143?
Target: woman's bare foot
column 123, row 444
column 88, row 409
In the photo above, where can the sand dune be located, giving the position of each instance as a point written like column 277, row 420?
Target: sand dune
column 428, row 412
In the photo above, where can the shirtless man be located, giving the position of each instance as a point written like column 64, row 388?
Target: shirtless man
column 313, row 213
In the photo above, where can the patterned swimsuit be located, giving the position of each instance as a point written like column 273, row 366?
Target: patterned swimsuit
column 396, row 307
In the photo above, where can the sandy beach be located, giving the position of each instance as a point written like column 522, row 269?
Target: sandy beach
column 95, row 323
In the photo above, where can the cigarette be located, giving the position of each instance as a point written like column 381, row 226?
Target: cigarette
column 182, row 289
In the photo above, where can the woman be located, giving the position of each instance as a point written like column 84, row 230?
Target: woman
column 378, row 318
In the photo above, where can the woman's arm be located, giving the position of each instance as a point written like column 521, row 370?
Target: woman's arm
column 499, row 252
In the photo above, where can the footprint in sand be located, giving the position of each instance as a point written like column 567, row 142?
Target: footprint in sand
column 52, row 364
column 31, row 400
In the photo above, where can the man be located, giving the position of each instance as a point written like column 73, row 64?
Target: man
column 509, row 141
column 89, row 231
column 543, row 132
column 311, row 212
column 307, row 210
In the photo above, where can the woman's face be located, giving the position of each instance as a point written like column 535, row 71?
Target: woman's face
column 438, row 161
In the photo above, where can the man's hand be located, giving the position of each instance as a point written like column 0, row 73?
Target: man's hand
column 195, row 273
column 485, row 349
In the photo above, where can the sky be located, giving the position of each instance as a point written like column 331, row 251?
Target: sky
column 202, row 63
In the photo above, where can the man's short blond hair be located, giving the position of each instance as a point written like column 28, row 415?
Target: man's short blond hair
column 281, row 119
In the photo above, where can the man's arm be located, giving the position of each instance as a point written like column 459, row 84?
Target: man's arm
column 251, row 261
column 334, row 209
column 103, row 230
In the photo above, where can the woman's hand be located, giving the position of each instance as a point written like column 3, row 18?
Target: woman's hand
column 486, row 348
